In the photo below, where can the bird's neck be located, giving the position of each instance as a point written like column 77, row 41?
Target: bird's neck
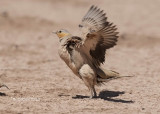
column 63, row 40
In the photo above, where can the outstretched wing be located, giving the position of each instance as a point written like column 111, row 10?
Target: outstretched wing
column 98, row 34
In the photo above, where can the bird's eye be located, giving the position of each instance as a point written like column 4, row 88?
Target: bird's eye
column 60, row 31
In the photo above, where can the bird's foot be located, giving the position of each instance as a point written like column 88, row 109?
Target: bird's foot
column 93, row 94
column 93, row 97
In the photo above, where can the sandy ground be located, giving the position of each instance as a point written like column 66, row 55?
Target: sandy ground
column 39, row 80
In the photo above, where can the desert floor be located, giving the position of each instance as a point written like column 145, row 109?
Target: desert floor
column 39, row 80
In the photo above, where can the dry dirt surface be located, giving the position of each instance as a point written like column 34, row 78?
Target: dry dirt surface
column 39, row 80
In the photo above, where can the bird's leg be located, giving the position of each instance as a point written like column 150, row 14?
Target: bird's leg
column 93, row 93
column 89, row 83
column 88, row 76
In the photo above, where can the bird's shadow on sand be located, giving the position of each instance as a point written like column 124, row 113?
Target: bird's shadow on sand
column 108, row 96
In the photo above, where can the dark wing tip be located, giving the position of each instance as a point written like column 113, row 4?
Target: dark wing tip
column 93, row 6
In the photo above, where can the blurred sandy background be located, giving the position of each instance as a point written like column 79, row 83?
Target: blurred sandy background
column 40, row 82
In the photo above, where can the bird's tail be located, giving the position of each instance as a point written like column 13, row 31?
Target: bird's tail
column 107, row 75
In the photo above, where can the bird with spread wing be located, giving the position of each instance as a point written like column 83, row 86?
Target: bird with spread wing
column 84, row 55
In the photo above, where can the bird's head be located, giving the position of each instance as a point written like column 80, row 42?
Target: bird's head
column 62, row 33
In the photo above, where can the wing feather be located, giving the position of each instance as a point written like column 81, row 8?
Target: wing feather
column 94, row 17
column 100, row 34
